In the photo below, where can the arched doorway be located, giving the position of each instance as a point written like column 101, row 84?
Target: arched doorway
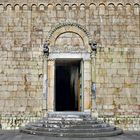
column 69, row 62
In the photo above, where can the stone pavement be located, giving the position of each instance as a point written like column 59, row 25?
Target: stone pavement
column 15, row 135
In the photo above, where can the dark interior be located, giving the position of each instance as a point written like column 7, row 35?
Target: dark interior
column 66, row 85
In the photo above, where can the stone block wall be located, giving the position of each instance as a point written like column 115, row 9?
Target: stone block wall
column 114, row 25
column 118, row 81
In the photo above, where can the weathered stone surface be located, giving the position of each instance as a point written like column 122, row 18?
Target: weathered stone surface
column 26, row 25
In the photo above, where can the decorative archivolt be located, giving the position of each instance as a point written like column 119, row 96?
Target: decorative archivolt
column 69, row 27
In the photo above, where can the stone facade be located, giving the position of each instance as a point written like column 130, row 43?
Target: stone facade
column 24, row 28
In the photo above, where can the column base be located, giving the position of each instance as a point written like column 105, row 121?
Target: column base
column 94, row 113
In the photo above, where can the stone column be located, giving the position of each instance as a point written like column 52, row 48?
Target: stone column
column 45, row 84
column 93, row 83
column 45, row 77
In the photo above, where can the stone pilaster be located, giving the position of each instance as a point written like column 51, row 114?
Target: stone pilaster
column 51, row 84
column 86, row 85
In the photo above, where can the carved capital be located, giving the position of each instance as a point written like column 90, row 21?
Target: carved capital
column 51, row 59
column 46, row 48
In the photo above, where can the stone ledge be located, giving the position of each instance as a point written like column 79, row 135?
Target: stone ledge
column 126, row 123
column 15, row 122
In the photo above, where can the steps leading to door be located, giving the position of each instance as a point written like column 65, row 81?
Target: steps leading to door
column 70, row 124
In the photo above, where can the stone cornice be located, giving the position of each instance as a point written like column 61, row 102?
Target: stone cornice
column 63, row 2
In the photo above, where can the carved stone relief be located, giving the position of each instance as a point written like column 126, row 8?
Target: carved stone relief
column 69, row 37
column 68, row 42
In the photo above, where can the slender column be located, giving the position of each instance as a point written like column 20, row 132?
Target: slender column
column 93, row 84
column 45, row 77
column 93, row 79
column 45, row 84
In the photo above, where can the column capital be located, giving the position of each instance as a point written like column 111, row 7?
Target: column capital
column 51, row 59
column 46, row 48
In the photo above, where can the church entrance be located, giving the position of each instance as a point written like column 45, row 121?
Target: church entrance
column 67, row 85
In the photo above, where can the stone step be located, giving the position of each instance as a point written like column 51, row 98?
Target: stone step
column 65, row 119
column 69, row 124
column 89, row 126
column 72, row 125
column 73, row 130
column 79, row 135
column 69, row 115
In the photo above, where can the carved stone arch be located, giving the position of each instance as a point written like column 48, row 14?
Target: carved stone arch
column 69, row 27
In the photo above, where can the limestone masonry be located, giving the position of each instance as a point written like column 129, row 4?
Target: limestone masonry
column 71, row 28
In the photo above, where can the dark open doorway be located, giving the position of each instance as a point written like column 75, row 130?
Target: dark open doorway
column 67, row 85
